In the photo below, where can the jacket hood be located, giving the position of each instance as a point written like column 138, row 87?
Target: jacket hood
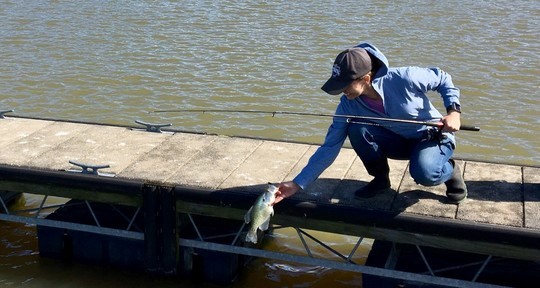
column 378, row 60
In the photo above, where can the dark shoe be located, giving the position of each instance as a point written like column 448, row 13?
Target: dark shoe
column 376, row 185
column 456, row 190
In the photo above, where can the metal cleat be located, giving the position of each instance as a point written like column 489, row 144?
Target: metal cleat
column 153, row 127
column 90, row 169
column 4, row 112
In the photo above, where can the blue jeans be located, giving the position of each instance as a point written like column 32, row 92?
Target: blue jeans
column 428, row 159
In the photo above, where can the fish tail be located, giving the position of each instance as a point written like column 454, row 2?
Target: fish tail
column 251, row 236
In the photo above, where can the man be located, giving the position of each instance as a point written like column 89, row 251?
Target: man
column 371, row 88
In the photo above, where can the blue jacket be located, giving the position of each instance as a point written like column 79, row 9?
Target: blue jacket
column 403, row 91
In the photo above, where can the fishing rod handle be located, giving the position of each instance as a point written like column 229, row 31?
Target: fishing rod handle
column 462, row 127
column 469, row 128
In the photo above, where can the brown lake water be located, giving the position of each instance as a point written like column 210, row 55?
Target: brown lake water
column 114, row 61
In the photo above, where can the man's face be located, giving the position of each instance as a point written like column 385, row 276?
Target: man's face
column 356, row 88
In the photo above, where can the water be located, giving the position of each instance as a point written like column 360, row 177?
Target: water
column 113, row 61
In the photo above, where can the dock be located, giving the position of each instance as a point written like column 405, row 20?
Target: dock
column 171, row 176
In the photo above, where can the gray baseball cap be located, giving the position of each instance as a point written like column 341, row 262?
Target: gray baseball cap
column 349, row 65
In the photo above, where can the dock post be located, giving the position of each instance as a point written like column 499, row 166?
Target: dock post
column 169, row 235
column 150, row 209
column 160, row 229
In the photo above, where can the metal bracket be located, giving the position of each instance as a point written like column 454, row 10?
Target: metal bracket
column 154, row 127
column 4, row 112
column 90, row 169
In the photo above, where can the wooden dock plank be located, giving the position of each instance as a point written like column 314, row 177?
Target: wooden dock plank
column 531, row 190
column 495, row 194
column 158, row 165
column 209, row 168
column 270, row 162
column 24, row 150
column 85, row 147
column 100, row 145
column 429, row 201
column 15, row 129
column 323, row 188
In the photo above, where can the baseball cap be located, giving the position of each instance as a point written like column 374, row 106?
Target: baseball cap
column 349, row 65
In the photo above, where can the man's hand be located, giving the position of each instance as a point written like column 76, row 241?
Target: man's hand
column 451, row 122
column 286, row 189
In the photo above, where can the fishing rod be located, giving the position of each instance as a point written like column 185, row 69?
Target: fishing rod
column 350, row 118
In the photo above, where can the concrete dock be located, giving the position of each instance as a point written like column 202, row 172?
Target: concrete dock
column 220, row 176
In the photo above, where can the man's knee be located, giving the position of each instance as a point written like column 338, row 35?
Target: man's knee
column 426, row 177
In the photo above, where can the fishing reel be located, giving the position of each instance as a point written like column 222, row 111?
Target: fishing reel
column 434, row 133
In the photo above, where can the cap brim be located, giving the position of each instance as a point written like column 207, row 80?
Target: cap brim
column 334, row 87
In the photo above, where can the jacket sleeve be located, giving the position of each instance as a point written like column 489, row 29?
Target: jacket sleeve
column 325, row 155
column 435, row 79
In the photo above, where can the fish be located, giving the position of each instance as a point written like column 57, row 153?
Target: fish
column 260, row 213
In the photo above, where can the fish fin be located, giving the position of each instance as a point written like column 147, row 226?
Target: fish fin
column 265, row 224
column 247, row 216
column 251, row 236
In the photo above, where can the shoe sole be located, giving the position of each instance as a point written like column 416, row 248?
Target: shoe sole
column 457, row 201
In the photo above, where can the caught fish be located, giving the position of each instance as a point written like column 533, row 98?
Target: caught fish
column 259, row 214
